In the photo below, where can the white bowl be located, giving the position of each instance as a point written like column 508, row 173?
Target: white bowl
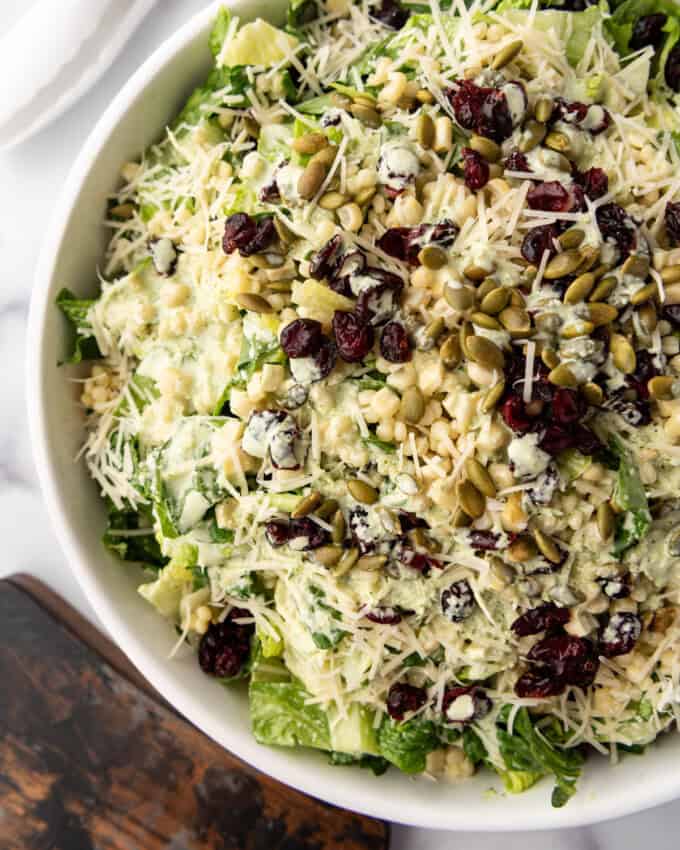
column 74, row 245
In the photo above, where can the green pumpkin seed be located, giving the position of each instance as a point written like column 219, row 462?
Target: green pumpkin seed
column 435, row 328
column 251, row 127
column 483, row 320
column 310, row 143
column 485, row 147
column 547, row 546
column 285, row 235
column 478, row 474
column 433, row 257
column 521, row 549
column 327, row 509
column 122, row 211
column 636, row 266
column 506, row 54
column 460, row 519
column 579, row 289
column 254, row 303
column 543, row 109
column 371, row 563
column 593, row 394
column 476, row 273
column 461, row 298
column 493, row 396
column 516, row 321
column 562, row 264
column 412, row 405
column 450, row 352
column 601, row 313
column 577, row 329
column 362, row 492
column 623, row 354
column 651, row 290
column 366, row 114
column 306, row 505
column 328, row 555
column 558, row 142
column 661, row 387
column 338, row 527
column 572, row 238
column 311, row 179
column 332, row 201
column 590, row 257
column 495, row 301
column 604, row 289
column 485, row 352
column 550, row 358
column 532, row 135
column 340, row 101
column 347, row 561
column 671, row 274
column 562, row 376
column 606, row 521
column 280, row 286
column 365, row 98
column 485, row 287
column 425, row 130
column 326, row 156
column 424, row 96
column 648, row 318
column 470, row 500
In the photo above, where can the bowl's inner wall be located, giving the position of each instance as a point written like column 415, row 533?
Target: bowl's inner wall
column 134, row 120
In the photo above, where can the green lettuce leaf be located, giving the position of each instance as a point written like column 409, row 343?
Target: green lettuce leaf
column 630, row 498
column 84, row 345
column 219, row 31
column 138, row 547
column 280, row 716
column 173, row 582
column 203, row 100
column 530, row 754
column 406, row 745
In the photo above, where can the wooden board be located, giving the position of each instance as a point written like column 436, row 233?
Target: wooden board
column 91, row 758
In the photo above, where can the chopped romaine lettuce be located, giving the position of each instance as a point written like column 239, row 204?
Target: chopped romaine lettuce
column 281, row 716
column 219, row 31
column 630, row 498
column 258, row 43
column 131, row 537
column 406, row 745
column 173, row 582
column 84, row 345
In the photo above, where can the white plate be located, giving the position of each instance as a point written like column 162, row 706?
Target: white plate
column 74, row 245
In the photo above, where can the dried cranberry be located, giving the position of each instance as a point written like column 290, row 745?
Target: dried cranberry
column 325, row 261
column 395, row 345
column 615, row 586
column 353, row 335
column 270, row 193
column 351, row 264
column 541, row 619
column 672, row 221
column 550, row 196
column 646, row 368
column 672, row 70
column 408, row 521
column 484, row 110
column 458, row 601
column 277, row 532
column 341, row 285
column 325, row 358
column 616, row 225
column 517, row 161
column 384, row 616
column 594, row 182
column 593, row 117
column 301, row 338
column 540, row 684
column 572, row 658
column 404, row 243
column 567, row 406
column 239, row 230
column 483, row 541
column 620, row 634
column 473, row 704
column 403, row 698
column 391, row 14
column 305, row 534
column 539, row 240
column 377, row 304
column 225, row 647
column 475, row 169
column 515, row 415
column 648, row 31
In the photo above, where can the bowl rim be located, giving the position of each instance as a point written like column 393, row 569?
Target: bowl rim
column 296, row 774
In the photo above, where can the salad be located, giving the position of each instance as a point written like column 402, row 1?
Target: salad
column 383, row 382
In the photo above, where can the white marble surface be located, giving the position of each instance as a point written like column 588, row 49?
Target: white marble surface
column 30, row 179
